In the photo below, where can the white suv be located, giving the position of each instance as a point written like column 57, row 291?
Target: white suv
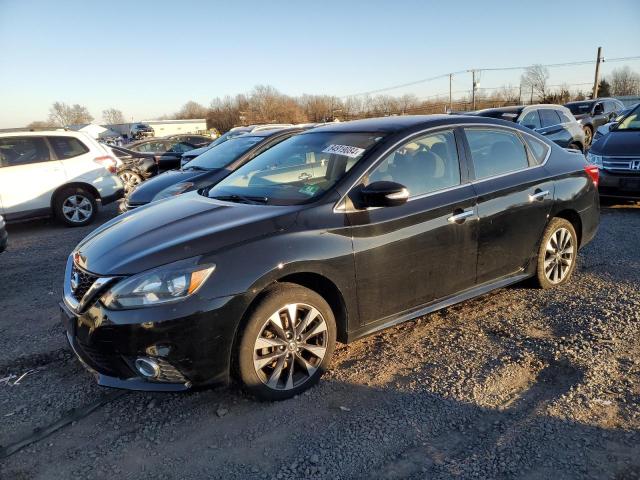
column 55, row 172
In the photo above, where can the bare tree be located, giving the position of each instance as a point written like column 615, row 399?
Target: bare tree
column 41, row 125
column 112, row 116
column 624, row 81
column 534, row 79
column 63, row 115
column 407, row 102
column 192, row 109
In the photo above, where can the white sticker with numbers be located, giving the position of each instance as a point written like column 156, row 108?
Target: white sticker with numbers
column 346, row 150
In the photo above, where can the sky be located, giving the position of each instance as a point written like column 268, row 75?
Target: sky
column 148, row 58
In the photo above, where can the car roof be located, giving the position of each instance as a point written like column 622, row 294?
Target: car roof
column 406, row 122
column 268, row 133
column 39, row 133
column 513, row 109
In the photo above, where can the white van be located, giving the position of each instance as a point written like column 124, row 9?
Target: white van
column 63, row 173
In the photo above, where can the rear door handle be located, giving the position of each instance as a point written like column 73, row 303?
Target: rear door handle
column 460, row 217
column 538, row 196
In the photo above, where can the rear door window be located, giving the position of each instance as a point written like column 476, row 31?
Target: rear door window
column 67, row 147
column 564, row 117
column 549, row 117
column 15, row 151
column 538, row 148
column 495, row 152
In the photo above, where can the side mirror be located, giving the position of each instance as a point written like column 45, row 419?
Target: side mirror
column 384, row 194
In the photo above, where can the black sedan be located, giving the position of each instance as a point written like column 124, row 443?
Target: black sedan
column 328, row 236
column 617, row 155
column 207, row 169
column 197, row 141
column 552, row 121
column 592, row 114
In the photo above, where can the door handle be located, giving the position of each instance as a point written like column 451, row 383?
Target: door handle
column 538, row 196
column 460, row 217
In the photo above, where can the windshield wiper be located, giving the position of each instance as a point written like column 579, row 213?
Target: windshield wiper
column 252, row 200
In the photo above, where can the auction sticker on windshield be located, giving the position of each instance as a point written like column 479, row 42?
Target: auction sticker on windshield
column 346, row 150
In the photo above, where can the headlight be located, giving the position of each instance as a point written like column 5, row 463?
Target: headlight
column 594, row 159
column 176, row 189
column 165, row 284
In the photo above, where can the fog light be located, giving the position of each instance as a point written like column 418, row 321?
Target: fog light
column 147, row 367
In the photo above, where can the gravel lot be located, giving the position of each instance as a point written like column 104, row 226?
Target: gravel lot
column 520, row 383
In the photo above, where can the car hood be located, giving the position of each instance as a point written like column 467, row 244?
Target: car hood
column 195, row 152
column 181, row 227
column 617, row 143
column 145, row 192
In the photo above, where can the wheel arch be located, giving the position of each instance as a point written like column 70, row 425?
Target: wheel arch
column 572, row 217
column 84, row 185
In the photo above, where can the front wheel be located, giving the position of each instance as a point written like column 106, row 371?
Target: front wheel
column 287, row 343
column 557, row 255
column 588, row 135
column 130, row 179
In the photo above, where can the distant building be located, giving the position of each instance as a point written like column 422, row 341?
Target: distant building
column 174, row 127
column 95, row 131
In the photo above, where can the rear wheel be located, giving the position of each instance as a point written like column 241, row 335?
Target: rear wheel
column 557, row 255
column 75, row 206
column 287, row 343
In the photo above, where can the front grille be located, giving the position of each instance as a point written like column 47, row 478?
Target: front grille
column 107, row 364
column 627, row 164
column 83, row 282
column 169, row 373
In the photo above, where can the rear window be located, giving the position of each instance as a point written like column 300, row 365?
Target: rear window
column 67, row 147
column 579, row 108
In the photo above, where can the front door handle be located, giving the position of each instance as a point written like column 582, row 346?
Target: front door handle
column 538, row 195
column 461, row 216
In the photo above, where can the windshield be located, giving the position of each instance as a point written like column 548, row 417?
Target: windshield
column 296, row 170
column 223, row 154
column 579, row 108
column 631, row 121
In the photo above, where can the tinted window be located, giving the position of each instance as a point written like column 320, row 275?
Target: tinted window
column 223, row 154
column 23, row 150
column 579, row 108
column 495, row 152
column 151, row 147
column 67, row 147
column 549, row 117
column 297, row 170
column 423, row 165
column 180, row 147
column 538, row 148
column 531, row 120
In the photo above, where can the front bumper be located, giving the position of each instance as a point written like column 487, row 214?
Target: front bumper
column 107, row 199
column 619, row 184
column 190, row 340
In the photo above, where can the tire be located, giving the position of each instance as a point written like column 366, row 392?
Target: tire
column 75, row 206
column 588, row 135
column 556, row 265
column 272, row 360
column 130, row 179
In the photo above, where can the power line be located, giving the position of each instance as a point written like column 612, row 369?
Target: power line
column 491, row 69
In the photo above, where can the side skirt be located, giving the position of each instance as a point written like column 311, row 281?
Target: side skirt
column 434, row 306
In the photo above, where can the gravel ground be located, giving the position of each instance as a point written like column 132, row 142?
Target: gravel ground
column 520, row 383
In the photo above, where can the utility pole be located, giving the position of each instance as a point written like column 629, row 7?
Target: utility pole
column 473, row 89
column 596, row 82
column 531, row 100
column 450, row 101
column 520, row 95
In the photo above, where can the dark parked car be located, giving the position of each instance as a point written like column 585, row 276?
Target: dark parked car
column 617, row 155
column 208, row 169
column 197, row 141
column 552, row 121
column 591, row 114
column 331, row 235
column 604, row 129
column 144, row 159
column 3, row 235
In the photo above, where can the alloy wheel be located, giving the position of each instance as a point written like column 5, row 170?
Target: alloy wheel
column 131, row 180
column 587, row 136
column 290, row 347
column 77, row 208
column 559, row 255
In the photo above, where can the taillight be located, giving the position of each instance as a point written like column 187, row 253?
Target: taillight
column 593, row 172
column 108, row 162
